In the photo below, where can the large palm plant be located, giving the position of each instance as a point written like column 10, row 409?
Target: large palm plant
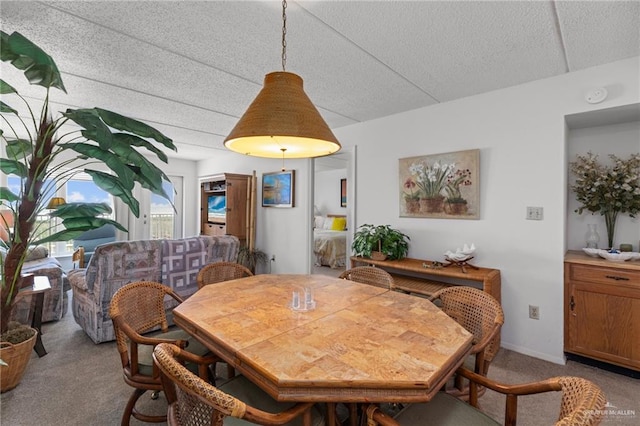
column 46, row 151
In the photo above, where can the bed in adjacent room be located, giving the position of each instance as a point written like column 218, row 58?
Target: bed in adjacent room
column 330, row 241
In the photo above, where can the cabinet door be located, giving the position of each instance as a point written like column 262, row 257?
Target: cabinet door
column 604, row 323
column 237, row 207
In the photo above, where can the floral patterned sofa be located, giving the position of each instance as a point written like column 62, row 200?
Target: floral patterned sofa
column 174, row 263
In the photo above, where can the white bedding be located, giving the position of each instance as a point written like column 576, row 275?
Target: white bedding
column 330, row 247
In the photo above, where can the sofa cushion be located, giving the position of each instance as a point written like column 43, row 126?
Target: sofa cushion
column 36, row 253
column 181, row 261
column 222, row 249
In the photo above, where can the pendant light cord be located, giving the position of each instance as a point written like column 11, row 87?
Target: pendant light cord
column 283, row 151
column 284, row 33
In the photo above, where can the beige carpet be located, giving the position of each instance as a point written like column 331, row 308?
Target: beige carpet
column 80, row 383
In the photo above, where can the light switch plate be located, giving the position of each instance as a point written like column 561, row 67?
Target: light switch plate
column 535, row 213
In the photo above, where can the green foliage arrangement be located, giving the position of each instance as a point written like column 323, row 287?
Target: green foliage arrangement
column 368, row 238
column 46, row 151
column 607, row 190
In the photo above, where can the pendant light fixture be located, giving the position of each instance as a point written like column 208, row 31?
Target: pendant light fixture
column 282, row 120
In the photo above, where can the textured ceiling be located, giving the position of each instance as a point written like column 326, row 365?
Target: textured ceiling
column 191, row 68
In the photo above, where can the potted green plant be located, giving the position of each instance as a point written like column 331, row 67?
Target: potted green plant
column 380, row 242
column 250, row 258
column 46, row 151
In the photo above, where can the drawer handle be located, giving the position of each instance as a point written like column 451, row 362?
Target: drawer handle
column 613, row 277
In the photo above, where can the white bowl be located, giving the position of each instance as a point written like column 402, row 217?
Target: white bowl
column 618, row 257
column 592, row 251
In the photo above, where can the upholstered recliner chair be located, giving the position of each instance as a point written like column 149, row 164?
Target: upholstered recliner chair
column 89, row 240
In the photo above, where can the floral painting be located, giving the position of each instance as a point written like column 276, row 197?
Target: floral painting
column 445, row 186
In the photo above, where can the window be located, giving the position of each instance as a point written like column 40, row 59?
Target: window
column 80, row 189
column 162, row 218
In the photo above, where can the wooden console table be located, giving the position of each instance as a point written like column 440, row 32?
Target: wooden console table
column 411, row 276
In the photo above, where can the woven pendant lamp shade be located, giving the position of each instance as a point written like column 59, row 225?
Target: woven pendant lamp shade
column 282, row 117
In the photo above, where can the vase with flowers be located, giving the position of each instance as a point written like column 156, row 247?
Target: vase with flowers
column 607, row 189
column 431, row 179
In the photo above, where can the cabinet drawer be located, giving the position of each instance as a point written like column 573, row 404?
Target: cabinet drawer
column 602, row 275
column 214, row 229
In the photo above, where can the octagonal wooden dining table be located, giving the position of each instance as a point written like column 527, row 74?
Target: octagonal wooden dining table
column 359, row 344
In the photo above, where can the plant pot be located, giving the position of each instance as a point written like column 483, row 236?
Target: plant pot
column 17, row 358
column 412, row 206
column 376, row 255
column 432, row 205
column 456, row 208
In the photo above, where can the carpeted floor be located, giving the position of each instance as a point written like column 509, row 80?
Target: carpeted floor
column 80, row 383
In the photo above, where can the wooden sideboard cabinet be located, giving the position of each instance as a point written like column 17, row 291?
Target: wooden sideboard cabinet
column 602, row 309
column 411, row 276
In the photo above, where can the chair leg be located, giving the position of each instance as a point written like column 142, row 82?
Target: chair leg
column 231, row 372
column 130, row 410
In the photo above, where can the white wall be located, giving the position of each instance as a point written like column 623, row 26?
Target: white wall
column 283, row 232
column 327, row 191
column 520, row 132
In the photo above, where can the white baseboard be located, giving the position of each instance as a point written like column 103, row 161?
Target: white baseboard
column 540, row 355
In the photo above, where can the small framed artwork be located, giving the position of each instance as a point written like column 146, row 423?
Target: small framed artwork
column 343, row 193
column 443, row 186
column 278, row 189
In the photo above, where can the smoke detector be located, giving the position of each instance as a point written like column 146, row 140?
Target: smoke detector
column 596, row 96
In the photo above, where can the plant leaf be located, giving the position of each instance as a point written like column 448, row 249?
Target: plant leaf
column 136, row 127
column 76, row 226
column 113, row 186
column 95, row 129
column 7, row 109
column 6, row 194
column 73, row 210
column 38, row 67
column 114, row 162
column 6, row 88
column 13, row 167
column 19, row 148
column 133, row 140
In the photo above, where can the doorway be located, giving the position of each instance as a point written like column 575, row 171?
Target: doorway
column 332, row 206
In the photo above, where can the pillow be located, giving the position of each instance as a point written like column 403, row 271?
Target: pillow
column 318, row 222
column 339, row 223
column 36, row 253
column 328, row 223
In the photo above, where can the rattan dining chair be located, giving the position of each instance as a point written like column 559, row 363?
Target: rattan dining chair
column 195, row 402
column 137, row 309
column 582, row 404
column 369, row 275
column 221, row 271
column 481, row 315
